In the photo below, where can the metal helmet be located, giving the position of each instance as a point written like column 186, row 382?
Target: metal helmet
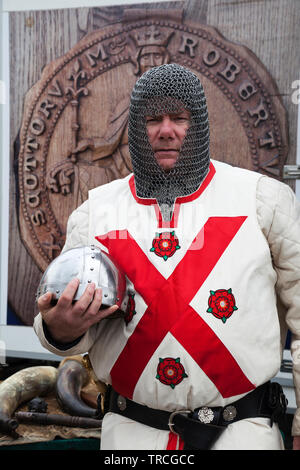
column 88, row 264
column 169, row 88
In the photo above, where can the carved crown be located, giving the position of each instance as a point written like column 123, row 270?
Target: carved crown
column 151, row 37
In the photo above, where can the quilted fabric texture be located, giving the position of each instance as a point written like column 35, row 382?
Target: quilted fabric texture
column 279, row 217
column 78, row 227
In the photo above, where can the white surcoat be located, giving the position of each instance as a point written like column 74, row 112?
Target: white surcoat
column 202, row 326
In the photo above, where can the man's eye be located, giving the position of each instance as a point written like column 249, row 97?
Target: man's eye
column 154, row 119
column 180, row 119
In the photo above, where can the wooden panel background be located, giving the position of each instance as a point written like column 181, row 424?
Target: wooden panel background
column 270, row 28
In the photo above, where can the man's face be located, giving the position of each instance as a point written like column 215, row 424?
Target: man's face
column 166, row 134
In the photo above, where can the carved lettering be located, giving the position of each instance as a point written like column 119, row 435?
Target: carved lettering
column 52, row 246
column 33, row 200
column 246, row 90
column 231, row 71
column 269, row 140
column 31, row 181
column 271, row 166
column 188, row 44
column 99, row 53
column 45, row 106
column 56, row 90
column 260, row 112
column 30, row 163
column 37, row 126
column 38, row 218
column 211, row 57
column 31, row 144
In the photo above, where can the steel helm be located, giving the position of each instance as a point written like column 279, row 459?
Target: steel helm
column 88, row 264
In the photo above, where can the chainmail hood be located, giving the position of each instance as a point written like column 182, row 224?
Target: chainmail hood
column 169, row 88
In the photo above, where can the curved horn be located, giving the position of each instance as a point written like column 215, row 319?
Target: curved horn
column 72, row 377
column 20, row 387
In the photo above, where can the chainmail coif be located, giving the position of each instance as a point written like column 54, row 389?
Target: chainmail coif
column 169, row 88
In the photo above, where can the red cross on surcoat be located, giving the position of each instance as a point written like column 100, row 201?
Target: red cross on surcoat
column 169, row 310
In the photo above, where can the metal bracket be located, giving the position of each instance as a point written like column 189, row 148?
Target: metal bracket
column 291, row 172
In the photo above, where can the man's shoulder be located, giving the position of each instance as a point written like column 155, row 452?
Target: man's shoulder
column 265, row 183
column 111, row 188
column 235, row 171
column 108, row 190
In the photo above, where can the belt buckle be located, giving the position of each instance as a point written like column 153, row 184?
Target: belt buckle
column 171, row 424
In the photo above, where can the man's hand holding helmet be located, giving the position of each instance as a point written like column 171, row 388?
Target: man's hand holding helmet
column 68, row 320
column 78, row 289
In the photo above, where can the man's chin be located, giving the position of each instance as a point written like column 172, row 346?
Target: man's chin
column 166, row 163
column 166, row 166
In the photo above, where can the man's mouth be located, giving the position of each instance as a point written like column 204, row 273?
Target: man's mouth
column 166, row 152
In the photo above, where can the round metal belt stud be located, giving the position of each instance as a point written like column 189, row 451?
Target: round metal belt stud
column 229, row 413
column 205, row 415
column 121, row 402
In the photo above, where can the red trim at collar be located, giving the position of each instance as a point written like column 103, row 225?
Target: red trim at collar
column 179, row 200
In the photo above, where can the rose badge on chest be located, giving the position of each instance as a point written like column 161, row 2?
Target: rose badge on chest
column 221, row 304
column 165, row 244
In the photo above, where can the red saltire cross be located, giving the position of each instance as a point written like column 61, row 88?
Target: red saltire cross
column 169, row 310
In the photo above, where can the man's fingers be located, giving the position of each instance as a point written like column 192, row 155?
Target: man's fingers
column 108, row 311
column 83, row 304
column 68, row 294
column 96, row 302
column 44, row 302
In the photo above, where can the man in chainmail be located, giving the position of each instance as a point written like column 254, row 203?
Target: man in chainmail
column 168, row 90
column 209, row 250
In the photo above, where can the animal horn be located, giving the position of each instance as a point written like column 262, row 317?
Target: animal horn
column 20, row 387
column 72, row 377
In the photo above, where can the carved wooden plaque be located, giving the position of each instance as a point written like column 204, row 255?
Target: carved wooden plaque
column 74, row 130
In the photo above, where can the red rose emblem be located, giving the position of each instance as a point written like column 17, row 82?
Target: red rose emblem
column 130, row 310
column 170, row 371
column 221, row 304
column 165, row 244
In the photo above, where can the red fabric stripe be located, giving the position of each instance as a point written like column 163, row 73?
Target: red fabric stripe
column 168, row 300
column 134, row 263
column 217, row 234
column 172, row 442
column 179, row 200
column 144, row 201
column 147, row 336
column 157, row 319
column 175, row 442
column 205, row 251
column 210, row 354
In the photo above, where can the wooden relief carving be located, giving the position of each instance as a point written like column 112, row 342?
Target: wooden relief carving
column 74, row 130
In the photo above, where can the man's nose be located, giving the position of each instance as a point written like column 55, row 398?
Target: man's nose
column 166, row 129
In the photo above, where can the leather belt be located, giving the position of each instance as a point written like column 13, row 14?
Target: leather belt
column 200, row 428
